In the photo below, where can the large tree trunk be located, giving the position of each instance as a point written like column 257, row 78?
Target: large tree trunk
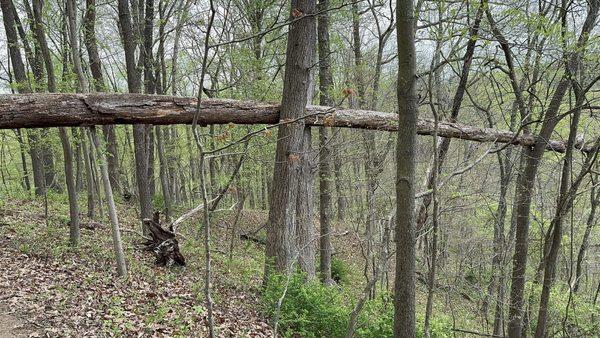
column 281, row 227
column 404, row 289
column 305, row 228
column 139, row 131
column 21, row 83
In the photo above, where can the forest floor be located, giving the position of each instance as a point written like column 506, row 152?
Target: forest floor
column 50, row 289
column 47, row 288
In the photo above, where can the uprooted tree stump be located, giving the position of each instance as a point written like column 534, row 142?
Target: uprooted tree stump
column 163, row 243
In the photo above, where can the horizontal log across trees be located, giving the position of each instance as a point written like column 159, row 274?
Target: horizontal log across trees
column 61, row 110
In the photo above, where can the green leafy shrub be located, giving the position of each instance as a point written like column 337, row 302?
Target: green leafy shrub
column 158, row 202
column 376, row 318
column 309, row 309
column 440, row 326
column 339, row 271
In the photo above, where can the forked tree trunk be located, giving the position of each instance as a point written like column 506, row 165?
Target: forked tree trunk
column 569, row 186
column 281, row 227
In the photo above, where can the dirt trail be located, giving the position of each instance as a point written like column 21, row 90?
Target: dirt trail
column 10, row 325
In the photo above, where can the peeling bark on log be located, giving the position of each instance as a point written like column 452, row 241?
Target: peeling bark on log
column 56, row 110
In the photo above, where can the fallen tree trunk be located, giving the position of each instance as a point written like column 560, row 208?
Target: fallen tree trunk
column 56, row 110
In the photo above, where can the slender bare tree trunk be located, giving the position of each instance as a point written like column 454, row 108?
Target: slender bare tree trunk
column 109, row 131
column 404, row 289
column 444, row 144
column 526, row 178
column 164, row 176
column 82, row 83
column 339, row 187
column 22, row 152
column 112, row 210
column 432, row 256
column 591, row 221
column 82, row 86
column 325, row 154
column 91, row 199
column 71, row 189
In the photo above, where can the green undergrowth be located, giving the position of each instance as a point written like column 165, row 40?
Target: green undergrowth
column 310, row 309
